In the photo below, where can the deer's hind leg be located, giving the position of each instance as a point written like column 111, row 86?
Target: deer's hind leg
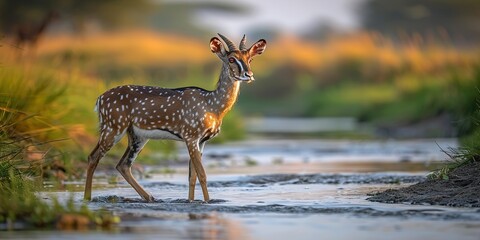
column 105, row 143
column 124, row 166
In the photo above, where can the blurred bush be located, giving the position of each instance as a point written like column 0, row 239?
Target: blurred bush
column 362, row 75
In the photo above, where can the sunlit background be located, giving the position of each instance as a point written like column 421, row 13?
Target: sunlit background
column 351, row 97
column 357, row 69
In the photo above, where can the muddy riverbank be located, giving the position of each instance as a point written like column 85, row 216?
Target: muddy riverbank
column 461, row 189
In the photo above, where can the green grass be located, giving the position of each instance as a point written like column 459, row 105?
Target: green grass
column 34, row 98
column 20, row 178
column 469, row 152
column 458, row 157
column 20, row 203
column 452, row 93
column 350, row 99
column 29, row 114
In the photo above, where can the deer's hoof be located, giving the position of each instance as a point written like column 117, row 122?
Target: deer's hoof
column 150, row 199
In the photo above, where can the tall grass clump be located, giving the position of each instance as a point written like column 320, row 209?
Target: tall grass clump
column 20, row 177
column 459, row 157
column 31, row 111
column 468, row 152
column 34, row 98
column 27, row 151
column 21, row 207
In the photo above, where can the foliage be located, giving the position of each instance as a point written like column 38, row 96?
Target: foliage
column 20, row 203
column 26, row 153
column 440, row 19
column 401, row 101
column 179, row 16
column 362, row 75
column 469, row 152
column 27, row 98
column 458, row 157
column 109, row 14
column 368, row 77
column 31, row 128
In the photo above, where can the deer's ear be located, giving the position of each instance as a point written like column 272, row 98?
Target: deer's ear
column 258, row 47
column 217, row 47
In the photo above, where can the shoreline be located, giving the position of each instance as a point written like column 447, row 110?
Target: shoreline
column 461, row 189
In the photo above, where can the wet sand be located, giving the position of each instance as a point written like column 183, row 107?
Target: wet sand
column 461, row 189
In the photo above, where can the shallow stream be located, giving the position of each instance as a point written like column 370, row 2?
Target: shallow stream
column 308, row 190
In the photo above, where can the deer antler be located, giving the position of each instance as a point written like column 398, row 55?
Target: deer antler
column 231, row 46
column 243, row 42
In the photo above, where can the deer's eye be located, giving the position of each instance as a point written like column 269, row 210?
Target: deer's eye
column 231, row 60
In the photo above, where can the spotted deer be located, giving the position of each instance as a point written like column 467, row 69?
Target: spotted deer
column 191, row 114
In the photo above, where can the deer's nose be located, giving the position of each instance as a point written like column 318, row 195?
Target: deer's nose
column 249, row 75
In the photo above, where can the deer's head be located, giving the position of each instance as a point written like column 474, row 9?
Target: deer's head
column 238, row 59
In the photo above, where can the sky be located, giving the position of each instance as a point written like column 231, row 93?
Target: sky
column 292, row 16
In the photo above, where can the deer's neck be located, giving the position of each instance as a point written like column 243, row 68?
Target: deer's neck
column 226, row 93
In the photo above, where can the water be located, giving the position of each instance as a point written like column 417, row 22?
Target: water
column 292, row 199
column 323, row 151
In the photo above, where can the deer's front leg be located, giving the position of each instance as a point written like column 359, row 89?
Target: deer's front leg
column 196, row 160
column 192, row 176
column 192, row 179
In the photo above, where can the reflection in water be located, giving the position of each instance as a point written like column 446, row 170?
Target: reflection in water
column 146, row 224
column 214, row 226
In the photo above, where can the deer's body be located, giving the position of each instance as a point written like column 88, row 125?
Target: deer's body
column 192, row 115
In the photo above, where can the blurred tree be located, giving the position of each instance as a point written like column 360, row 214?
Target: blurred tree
column 105, row 13
column 321, row 31
column 444, row 20
column 264, row 31
column 179, row 17
column 170, row 16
